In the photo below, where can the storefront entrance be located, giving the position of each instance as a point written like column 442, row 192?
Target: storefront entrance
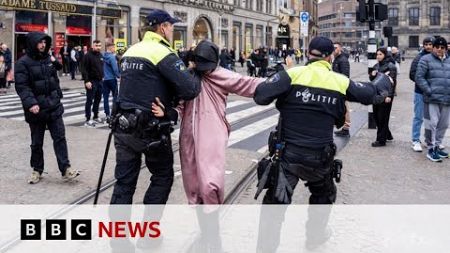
column 202, row 30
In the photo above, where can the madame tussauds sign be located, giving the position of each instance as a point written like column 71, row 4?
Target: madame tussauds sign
column 42, row 5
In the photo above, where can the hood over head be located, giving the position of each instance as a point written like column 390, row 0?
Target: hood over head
column 33, row 39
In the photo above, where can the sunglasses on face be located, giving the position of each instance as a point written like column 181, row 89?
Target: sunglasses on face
column 441, row 47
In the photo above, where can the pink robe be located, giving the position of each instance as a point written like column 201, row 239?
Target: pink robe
column 204, row 135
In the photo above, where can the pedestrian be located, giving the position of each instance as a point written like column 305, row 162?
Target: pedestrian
column 242, row 58
column 4, row 50
column 3, row 73
column 341, row 65
column 73, row 62
column 298, row 55
column 225, row 59
column 37, row 85
column 433, row 78
column 64, row 53
column 448, row 48
column 263, row 58
column 357, row 56
column 149, row 69
column 202, row 148
column 93, row 82
column 382, row 111
column 81, row 55
column 396, row 56
column 111, row 75
column 418, row 95
column 307, row 121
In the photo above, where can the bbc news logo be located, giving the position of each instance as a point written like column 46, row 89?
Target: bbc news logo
column 31, row 229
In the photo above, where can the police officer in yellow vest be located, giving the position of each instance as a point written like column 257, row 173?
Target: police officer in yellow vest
column 150, row 69
column 311, row 102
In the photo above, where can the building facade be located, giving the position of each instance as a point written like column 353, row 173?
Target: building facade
column 337, row 21
column 412, row 21
column 243, row 25
column 290, row 11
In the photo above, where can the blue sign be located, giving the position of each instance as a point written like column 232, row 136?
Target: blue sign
column 304, row 16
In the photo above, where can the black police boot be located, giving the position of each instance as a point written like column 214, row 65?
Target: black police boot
column 378, row 144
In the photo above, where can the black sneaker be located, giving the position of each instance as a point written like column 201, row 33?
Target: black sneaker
column 342, row 133
column 433, row 156
column 441, row 152
column 378, row 144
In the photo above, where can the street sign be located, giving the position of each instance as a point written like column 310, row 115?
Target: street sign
column 304, row 16
column 304, row 23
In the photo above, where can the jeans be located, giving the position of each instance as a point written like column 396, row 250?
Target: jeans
column 108, row 87
column 95, row 94
column 58, row 134
column 418, row 116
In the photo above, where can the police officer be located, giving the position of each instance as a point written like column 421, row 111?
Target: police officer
column 150, row 69
column 311, row 102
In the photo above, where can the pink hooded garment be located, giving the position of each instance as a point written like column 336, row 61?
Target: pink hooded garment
column 204, row 135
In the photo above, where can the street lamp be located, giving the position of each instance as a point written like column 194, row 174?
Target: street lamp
column 340, row 22
column 220, row 28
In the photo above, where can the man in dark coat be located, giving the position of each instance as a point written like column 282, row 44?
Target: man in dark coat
column 341, row 65
column 37, row 85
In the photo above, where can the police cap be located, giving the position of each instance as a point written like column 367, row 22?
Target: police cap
column 323, row 46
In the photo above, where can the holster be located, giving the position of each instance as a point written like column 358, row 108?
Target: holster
column 315, row 164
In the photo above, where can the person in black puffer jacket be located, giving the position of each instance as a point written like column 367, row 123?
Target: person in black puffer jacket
column 37, row 85
column 382, row 111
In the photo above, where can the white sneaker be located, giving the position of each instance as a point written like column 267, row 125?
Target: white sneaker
column 70, row 174
column 34, row 178
column 416, row 146
column 89, row 123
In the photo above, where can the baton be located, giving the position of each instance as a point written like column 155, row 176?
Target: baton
column 102, row 170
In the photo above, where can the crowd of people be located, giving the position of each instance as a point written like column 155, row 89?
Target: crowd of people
column 158, row 87
column 429, row 71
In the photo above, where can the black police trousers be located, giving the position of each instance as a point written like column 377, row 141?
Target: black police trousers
column 159, row 161
column 58, row 134
column 323, row 191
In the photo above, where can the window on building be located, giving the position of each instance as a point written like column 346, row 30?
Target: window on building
column 393, row 16
column 393, row 41
column 414, row 16
column 259, row 5
column 435, row 16
column 269, row 6
column 249, row 4
column 259, row 37
column 413, row 41
column 283, row 3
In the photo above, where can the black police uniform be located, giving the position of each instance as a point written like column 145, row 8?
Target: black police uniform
column 150, row 69
column 311, row 101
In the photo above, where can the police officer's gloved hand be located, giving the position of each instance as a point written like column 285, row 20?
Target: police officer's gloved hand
column 283, row 190
column 385, row 87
